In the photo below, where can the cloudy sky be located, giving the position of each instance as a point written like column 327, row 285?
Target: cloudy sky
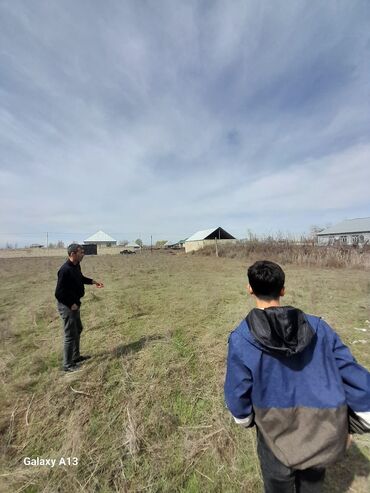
column 155, row 117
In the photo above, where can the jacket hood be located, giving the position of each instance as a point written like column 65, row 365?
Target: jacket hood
column 280, row 330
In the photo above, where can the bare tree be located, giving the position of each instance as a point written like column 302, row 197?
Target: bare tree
column 313, row 232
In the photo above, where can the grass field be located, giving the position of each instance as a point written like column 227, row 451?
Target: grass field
column 147, row 411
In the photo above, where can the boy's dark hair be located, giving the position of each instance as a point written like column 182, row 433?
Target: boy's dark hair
column 266, row 279
column 72, row 248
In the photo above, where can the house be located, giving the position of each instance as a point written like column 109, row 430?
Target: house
column 174, row 244
column 200, row 239
column 101, row 239
column 132, row 246
column 348, row 232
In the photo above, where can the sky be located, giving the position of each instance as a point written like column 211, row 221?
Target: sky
column 164, row 117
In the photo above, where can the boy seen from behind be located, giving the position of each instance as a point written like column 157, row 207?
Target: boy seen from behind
column 290, row 375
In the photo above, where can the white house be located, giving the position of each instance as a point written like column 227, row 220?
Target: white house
column 348, row 232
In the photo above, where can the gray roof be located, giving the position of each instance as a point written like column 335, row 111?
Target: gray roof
column 202, row 235
column 100, row 236
column 359, row 225
column 174, row 242
column 132, row 244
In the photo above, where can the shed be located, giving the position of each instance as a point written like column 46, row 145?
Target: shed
column 200, row 239
column 348, row 232
column 90, row 249
column 101, row 239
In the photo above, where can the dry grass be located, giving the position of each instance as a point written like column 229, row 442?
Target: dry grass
column 287, row 252
column 147, row 413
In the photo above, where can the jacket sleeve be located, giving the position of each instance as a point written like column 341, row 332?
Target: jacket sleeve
column 238, row 385
column 356, row 382
column 86, row 280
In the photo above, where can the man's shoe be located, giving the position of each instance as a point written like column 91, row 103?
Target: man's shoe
column 71, row 369
column 80, row 359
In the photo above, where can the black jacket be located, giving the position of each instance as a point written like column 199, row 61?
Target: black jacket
column 70, row 286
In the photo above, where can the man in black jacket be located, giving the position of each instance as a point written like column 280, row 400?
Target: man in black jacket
column 69, row 291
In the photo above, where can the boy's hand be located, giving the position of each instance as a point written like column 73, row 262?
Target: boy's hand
column 98, row 284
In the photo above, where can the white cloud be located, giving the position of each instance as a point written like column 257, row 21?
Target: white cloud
column 168, row 117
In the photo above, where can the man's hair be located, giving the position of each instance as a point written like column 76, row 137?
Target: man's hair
column 266, row 279
column 72, row 248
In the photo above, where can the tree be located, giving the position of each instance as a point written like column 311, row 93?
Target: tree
column 160, row 243
column 315, row 229
column 251, row 236
column 60, row 244
column 139, row 242
column 313, row 232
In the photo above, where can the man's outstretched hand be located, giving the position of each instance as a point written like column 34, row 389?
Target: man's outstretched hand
column 98, row 284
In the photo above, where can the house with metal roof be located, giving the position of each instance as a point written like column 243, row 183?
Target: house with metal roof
column 101, row 239
column 348, row 232
column 133, row 246
column 206, row 237
column 176, row 244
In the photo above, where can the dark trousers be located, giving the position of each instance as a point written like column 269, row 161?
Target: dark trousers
column 72, row 331
column 278, row 478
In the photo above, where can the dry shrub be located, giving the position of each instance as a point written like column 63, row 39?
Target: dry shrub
column 288, row 252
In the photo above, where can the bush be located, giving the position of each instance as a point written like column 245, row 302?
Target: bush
column 289, row 252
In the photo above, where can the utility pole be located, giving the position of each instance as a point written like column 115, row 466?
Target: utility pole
column 151, row 244
column 216, row 247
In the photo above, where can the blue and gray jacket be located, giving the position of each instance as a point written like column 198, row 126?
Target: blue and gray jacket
column 291, row 375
